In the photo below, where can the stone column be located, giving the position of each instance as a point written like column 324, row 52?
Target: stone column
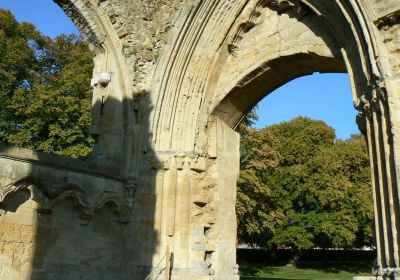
column 224, row 148
column 375, row 121
column 194, row 197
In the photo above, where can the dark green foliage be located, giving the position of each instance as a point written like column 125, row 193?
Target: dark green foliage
column 255, row 209
column 314, row 191
column 45, row 95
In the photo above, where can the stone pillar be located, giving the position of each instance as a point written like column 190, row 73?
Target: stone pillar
column 194, row 218
column 225, row 173
column 375, row 121
column 183, row 215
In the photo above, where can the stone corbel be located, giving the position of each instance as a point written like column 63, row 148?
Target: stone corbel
column 101, row 78
column 363, row 106
column 373, row 101
column 131, row 187
column 181, row 162
column 100, row 84
column 166, row 164
column 245, row 26
column 361, row 123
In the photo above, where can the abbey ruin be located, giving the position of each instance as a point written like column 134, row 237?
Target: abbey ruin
column 172, row 81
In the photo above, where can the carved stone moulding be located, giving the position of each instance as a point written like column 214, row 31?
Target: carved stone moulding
column 86, row 202
column 254, row 18
column 388, row 20
column 194, row 162
column 81, row 14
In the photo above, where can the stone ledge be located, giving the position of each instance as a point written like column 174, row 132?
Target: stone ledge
column 54, row 161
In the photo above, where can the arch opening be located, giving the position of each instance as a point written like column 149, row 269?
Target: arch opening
column 289, row 39
column 238, row 102
column 320, row 96
column 296, row 39
column 274, row 148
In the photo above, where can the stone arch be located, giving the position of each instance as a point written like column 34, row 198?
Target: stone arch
column 277, row 72
column 357, row 52
column 322, row 47
column 192, row 66
column 268, row 57
column 226, row 55
column 84, row 17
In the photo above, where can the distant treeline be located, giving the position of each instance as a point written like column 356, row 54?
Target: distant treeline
column 302, row 188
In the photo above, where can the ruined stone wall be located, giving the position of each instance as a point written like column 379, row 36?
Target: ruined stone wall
column 58, row 245
column 57, row 223
column 161, row 181
column 142, row 27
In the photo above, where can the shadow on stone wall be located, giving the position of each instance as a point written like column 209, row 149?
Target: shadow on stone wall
column 63, row 218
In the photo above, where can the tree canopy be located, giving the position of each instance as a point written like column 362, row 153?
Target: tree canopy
column 45, row 95
column 300, row 187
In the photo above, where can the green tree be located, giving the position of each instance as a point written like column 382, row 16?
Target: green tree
column 17, row 65
column 45, row 98
column 257, row 215
column 317, row 194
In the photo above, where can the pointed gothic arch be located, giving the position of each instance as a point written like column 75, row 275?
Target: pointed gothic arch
column 226, row 66
column 181, row 73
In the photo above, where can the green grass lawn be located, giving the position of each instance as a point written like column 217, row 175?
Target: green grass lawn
column 250, row 271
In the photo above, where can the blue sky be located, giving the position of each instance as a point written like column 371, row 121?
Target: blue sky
column 324, row 97
column 45, row 14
